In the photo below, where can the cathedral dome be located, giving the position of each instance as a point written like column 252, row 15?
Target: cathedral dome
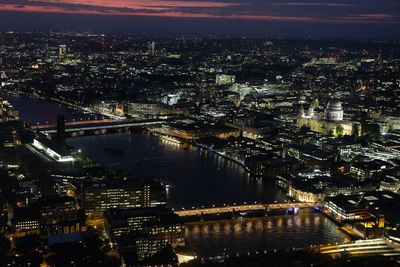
column 334, row 105
column 334, row 111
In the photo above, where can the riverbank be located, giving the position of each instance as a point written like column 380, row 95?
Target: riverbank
column 49, row 99
column 199, row 145
column 241, row 163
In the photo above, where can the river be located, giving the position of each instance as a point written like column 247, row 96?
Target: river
column 257, row 234
column 40, row 111
column 197, row 178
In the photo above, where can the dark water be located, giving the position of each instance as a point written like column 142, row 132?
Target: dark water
column 258, row 234
column 201, row 178
column 40, row 111
column 197, row 177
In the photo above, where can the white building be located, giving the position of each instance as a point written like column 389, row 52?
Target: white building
column 50, row 149
column 334, row 111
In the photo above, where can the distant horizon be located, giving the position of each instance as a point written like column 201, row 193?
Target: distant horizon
column 202, row 35
column 160, row 34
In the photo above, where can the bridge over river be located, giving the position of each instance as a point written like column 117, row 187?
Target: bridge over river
column 292, row 207
column 97, row 126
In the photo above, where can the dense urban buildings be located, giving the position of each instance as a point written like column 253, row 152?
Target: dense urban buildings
column 145, row 231
column 134, row 150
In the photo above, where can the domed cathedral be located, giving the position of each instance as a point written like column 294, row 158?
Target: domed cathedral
column 334, row 111
column 331, row 123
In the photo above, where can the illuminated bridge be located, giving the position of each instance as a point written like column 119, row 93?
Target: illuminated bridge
column 368, row 247
column 97, row 126
column 291, row 207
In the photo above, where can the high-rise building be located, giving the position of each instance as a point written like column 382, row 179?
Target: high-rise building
column 62, row 52
column 151, row 49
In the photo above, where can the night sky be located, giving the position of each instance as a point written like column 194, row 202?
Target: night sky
column 291, row 18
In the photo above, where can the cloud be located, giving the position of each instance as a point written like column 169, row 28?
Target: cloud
column 316, row 4
column 371, row 18
column 140, row 4
column 306, row 11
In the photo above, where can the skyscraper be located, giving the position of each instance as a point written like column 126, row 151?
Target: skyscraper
column 151, row 49
column 62, row 52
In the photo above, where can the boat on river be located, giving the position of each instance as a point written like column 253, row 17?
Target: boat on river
column 114, row 151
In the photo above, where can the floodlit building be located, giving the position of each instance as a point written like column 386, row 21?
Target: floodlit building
column 334, row 111
column 51, row 149
column 331, row 123
column 62, row 52
column 222, row 79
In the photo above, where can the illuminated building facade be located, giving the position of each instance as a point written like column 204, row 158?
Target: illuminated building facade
column 365, row 170
column 62, row 52
column 222, row 79
column 390, row 183
column 316, row 185
column 60, row 215
column 191, row 131
column 374, row 209
column 11, row 133
column 25, row 221
column 331, row 123
column 171, row 99
column 50, row 215
column 100, row 196
column 334, row 111
column 151, row 49
column 8, row 112
column 305, row 196
column 51, row 149
column 344, row 149
column 143, row 110
column 312, row 156
column 144, row 230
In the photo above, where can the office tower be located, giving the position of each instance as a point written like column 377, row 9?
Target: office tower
column 62, row 52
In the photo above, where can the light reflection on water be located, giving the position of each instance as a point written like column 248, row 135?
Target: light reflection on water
column 197, row 177
column 41, row 111
column 252, row 234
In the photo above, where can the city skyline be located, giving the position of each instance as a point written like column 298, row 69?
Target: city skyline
column 318, row 19
column 199, row 133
